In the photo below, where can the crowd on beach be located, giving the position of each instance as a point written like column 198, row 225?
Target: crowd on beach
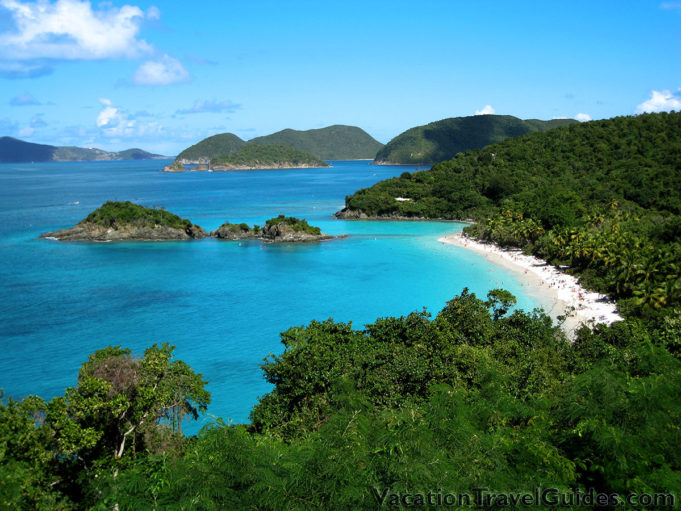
column 587, row 306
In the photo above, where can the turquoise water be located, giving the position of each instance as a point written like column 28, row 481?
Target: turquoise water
column 222, row 304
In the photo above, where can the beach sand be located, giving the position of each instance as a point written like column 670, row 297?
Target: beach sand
column 557, row 292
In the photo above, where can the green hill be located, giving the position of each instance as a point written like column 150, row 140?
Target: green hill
column 13, row 150
column 212, row 147
column 336, row 142
column 252, row 156
column 442, row 140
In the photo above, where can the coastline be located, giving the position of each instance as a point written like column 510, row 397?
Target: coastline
column 557, row 292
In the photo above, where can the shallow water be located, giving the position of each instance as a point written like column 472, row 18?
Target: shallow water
column 222, row 304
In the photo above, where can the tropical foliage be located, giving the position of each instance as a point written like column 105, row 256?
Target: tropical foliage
column 602, row 197
column 113, row 214
column 254, row 156
column 479, row 396
column 294, row 223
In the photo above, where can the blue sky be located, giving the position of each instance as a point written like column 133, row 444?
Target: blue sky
column 164, row 75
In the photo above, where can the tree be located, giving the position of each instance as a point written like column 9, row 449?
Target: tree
column 123, row 404
column 500, row 301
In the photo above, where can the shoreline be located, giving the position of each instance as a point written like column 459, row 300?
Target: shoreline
column 557, row 292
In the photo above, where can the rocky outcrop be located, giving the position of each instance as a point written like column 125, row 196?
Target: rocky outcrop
column 282, row 232
column 351, row 214
column 86, row 231
column 278, row 166
column 277, row 230
column 232, row 232
column 176, row 166
column 354, row 214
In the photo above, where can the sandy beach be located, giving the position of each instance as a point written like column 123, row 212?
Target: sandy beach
column 557, row 292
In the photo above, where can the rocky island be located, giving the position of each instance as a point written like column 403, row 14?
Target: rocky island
column 118, row 221
column 279, row 229
column 125, row 221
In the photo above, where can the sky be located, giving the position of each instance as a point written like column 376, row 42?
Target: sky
column 162, row 75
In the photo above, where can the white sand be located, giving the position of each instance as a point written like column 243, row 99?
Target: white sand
column 557, row 292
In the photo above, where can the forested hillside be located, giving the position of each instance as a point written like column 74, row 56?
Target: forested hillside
column 603, row 197
column 336, row 142
column 442, row 140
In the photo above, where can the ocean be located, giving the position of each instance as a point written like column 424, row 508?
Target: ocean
column 222, row 304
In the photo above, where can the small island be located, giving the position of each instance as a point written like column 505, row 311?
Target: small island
column 252, row 157
column 276, row 230
column 125, row 221
column 118, row 221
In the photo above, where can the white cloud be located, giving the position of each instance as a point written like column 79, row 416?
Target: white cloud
column 208, row 106
column 163, row 71
column 487, row 110
column 583, row 117
column 109, row 117
column 115, row 122
column 71, row 29
column 660, row 101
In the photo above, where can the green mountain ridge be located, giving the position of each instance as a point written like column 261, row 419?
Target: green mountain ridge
column 13, row 150
column 337, row 142
column 211, row 147
column 442, row 140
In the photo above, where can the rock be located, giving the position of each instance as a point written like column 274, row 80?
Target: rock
column 85, row 231
column 229, row 231
column 282, row 232
column 176, row 166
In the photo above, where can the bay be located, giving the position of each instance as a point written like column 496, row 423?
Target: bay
column 222, row 304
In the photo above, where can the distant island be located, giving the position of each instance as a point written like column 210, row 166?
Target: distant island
column 250, row 157
column 442, row 140
column 115, row 221
column 125, row 221
column 336, row 142
column 13, row 150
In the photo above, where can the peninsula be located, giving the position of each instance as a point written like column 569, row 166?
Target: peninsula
column 13, row 150
column 598, row 199
column 118, row 221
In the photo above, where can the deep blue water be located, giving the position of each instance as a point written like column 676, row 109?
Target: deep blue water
column 222, row 304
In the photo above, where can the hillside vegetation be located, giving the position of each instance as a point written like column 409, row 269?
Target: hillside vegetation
column 267, row 156
column 442, row 140
column 119, row 213
column 212, row 147
column 476, row 397
column 603, row 197
column 336, row 142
